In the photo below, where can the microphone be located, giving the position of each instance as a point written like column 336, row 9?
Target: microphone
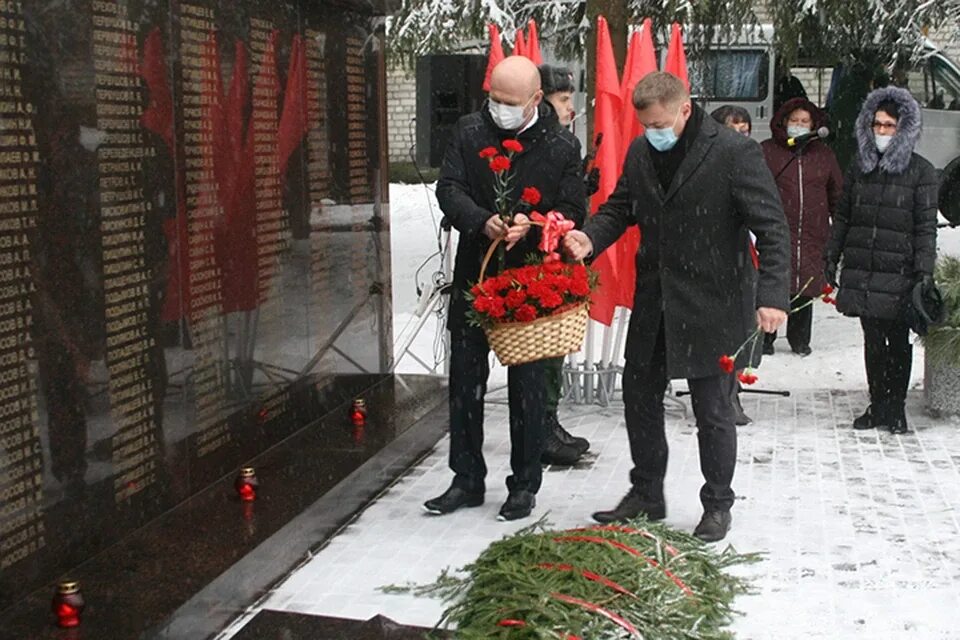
column 821, row 133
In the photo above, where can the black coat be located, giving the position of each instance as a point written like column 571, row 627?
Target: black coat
column 693, row 266
column 550, row 161
column 885, row 232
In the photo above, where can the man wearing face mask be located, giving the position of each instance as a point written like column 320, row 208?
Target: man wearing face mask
column 696, row 189
column 885, row 240
column 810, row 182
column 550, row 162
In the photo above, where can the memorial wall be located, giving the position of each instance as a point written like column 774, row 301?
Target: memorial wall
column 194, row 252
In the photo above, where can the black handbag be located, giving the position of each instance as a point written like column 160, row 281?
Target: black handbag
column 923, row 308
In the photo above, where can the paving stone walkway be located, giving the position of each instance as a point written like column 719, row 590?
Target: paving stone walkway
column 860, row 530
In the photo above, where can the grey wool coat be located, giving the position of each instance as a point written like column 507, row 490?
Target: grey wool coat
column 693, row 267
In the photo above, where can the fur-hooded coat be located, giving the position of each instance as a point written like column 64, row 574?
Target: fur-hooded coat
column 896, row 158
column 885, row 227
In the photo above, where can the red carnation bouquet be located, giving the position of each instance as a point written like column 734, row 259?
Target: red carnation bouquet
column 525, row 294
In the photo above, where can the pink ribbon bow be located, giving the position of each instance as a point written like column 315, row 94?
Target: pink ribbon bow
column 555, row 226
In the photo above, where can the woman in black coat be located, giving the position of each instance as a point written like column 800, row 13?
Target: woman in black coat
column 885, row 240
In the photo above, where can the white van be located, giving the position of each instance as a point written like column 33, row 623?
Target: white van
column 743, row 74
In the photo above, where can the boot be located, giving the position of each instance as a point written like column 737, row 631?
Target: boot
column 557, row 453
column 897, row 421
column 713, row 526
column 582, row 445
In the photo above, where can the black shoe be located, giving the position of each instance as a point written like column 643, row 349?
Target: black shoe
column 865, row 421
column 713, row 526
column 519, row 504
column 631, row 506
column 555, row 452
column 582, row 445
column 451, row 500
column 768, row 349
column 803, row 351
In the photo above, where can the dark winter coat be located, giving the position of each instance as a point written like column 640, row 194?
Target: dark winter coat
column 693, row 266
column 810, row 183
column 885, row 227
column 550, row 161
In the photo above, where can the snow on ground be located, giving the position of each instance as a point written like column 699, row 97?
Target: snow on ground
column 837, row 361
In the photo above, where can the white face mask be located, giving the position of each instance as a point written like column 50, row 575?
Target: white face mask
column 882, row 142
column 507, row 116
column 795, row 131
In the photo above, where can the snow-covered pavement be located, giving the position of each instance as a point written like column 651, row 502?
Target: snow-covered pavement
column 860, row 530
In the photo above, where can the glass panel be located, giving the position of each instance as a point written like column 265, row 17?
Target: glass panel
column 731, row 75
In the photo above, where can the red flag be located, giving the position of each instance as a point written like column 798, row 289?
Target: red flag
column 533, row 43
column 676, row 57
column 519, row 46
column 641, row 60
column 495, row 56
column 608, row 161
column 293, row 121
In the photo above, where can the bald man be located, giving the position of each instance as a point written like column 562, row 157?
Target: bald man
column 550, row 162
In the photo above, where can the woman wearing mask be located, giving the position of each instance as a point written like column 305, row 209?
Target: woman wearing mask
column 885, row 241
column 810, row 184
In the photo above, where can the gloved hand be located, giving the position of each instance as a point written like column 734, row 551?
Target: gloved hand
column 830, row 274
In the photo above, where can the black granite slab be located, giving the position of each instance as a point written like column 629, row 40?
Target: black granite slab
column 194, row 270
column 280, row 625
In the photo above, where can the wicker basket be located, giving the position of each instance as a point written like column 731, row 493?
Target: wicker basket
column 548, row 337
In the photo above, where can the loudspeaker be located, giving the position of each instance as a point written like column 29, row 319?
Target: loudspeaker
column 448, row 86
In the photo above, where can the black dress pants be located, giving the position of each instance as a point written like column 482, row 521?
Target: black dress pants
column 799, row 324
column 469, row 369
column 643, row 390
column 888, row 356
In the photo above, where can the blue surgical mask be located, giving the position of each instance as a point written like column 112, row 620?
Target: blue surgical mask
column 663, row 139
column 795, row 131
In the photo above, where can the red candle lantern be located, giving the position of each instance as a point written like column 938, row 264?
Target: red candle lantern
column 68, row 604
column 358, row 412
column 246, row 484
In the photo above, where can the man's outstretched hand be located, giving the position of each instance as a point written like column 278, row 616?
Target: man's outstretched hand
column 577, row 244
column 770, row 319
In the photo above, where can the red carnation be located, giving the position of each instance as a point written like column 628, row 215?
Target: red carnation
column 829, row 300
column 727, row 364
column 515, row 298
column 500, row 164
column 747, row 377
column 513, row 145
column 551, row 300
column 497, row 309
column 489, row 152
column 554, row 267
column 579, row 287
column 531, row 195
column 527, row 275
column 482, row 303
column 525, row 313
column 827, row 290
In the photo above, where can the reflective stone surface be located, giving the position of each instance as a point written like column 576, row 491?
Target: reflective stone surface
column 194, row 262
